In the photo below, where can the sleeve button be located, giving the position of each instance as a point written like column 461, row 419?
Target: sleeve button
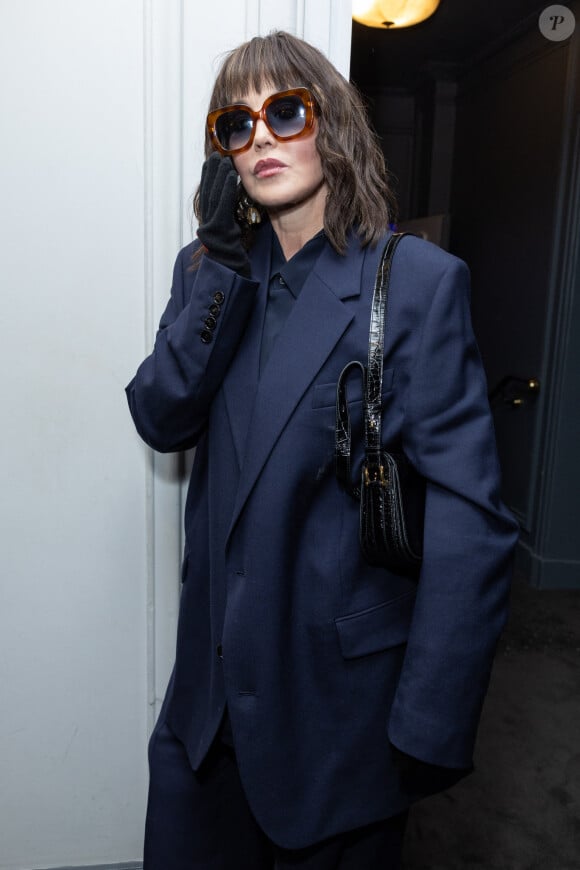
column 206, row 336
column 210, row 322
column 218, row 297
column 214, row 309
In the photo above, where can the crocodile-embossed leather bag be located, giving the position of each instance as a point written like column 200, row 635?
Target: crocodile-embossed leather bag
column 391, row 492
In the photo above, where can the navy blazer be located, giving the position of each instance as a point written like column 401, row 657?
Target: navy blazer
column 325, row 661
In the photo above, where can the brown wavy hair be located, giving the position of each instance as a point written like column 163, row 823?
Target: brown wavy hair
column 353, row 164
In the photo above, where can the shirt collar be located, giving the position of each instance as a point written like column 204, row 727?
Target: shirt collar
column 295, row 270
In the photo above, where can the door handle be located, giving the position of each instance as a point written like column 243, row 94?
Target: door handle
column 514, row 391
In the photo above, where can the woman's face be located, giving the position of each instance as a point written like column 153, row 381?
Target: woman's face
column 282, row 176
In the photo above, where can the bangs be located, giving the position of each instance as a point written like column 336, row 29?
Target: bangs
column 258, row 65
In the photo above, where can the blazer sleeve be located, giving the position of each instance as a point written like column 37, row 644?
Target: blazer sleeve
column 462, row 595
column 171, row 393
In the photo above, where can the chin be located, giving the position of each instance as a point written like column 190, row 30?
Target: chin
column 279, row 205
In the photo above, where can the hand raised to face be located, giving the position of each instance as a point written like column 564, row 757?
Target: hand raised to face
column 218, row 230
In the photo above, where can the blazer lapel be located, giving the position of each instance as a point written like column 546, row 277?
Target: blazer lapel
column 316, row 323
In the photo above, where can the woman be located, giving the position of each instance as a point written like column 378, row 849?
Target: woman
column 314, row 696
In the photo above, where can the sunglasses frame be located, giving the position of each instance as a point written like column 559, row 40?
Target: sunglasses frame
column 307, row 101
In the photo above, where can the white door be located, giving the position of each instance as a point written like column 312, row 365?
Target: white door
column 101, row 108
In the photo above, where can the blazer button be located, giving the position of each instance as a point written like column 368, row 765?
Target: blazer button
column 214, row 309
column 220, row 651
column 218, row 297
column 206, row 336
column 210, row 322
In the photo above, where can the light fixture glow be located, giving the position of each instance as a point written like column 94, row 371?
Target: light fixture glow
column 391, row 14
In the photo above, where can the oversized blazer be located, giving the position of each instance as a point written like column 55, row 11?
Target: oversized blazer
column 326, row 662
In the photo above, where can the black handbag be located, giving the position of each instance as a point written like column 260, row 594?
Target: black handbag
column 391, row 492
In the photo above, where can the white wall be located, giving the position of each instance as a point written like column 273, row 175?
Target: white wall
column 101, row 108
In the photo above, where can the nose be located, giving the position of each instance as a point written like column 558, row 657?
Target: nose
column 262, row 135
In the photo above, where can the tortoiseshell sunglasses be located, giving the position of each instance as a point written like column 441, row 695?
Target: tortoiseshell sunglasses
column 287, row 114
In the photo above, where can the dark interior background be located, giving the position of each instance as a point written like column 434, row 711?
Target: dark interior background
column 479, row 117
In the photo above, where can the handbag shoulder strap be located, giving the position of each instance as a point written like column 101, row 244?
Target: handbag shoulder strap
column 372, row 378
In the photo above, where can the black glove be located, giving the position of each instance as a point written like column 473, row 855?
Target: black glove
column 219, row 231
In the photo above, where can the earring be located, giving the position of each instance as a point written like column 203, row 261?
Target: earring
column 253, row 216
column 248, row 212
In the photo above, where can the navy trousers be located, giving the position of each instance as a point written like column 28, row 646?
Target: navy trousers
column 201, row 821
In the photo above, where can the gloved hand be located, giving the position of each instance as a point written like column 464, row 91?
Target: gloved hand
column 219, row 231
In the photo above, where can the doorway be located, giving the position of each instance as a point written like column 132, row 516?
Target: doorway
column 478, row 114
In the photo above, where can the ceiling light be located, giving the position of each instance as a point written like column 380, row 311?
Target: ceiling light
column 391, row 14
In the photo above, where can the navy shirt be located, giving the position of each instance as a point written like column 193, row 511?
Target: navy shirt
column 287, row 278
column 295, row 270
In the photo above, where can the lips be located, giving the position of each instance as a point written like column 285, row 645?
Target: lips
column 265, row 168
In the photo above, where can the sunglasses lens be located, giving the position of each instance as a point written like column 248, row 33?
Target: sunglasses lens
column 233, row 129
column 287, row 115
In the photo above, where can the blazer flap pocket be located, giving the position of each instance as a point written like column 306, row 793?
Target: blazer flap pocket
column 324, row 395
column 377, row 628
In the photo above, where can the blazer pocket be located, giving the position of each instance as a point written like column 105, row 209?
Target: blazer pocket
column 324, row 395
column 377, row 628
